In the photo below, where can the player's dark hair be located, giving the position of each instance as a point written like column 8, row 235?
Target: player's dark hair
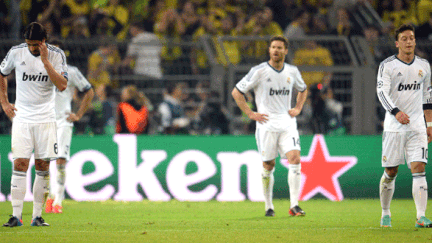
column 57, row 42
column 35, row 31
column 279, row 38
column 403, row 28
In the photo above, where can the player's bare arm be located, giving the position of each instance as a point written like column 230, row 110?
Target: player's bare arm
column 301, row 99
column 241, row 102
column 7, row 107
column 85, row 104
column 402, row 117
column 58, row 80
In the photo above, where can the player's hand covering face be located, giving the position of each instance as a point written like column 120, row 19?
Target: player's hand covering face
column 33, row 46
column 43, row 50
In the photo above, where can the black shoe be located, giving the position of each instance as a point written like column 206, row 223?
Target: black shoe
column 296, row 211
column 39, row 221
column 270, row 213
column 13, row 221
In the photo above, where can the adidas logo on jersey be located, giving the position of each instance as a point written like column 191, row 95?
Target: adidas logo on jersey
column 23, row 63
column 414, row 86
column 30, row 77
column 399, row 74
column 279, row 91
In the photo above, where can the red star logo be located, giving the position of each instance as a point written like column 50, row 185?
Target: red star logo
column 320, row 171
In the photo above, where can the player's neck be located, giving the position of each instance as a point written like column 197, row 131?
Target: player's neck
column 406, row 57
column 276, row 65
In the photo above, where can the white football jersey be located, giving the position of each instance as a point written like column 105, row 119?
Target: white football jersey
column 34, row 90
column 63, row 99
column 273, row 90
column 404, row 86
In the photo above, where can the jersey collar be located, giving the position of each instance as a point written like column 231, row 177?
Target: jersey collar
column 405, row 62
column 279, row 71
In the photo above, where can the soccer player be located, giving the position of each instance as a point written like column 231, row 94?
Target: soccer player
column 276, row 130
column 404, row 90
column 39, row 68
column 65, row 118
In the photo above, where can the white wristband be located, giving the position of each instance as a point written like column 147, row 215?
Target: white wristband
column 429, row 124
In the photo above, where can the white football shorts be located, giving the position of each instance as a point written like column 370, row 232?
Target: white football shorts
column 271, row 143
column 38, row 137
column 64, row 138
column 398, row 147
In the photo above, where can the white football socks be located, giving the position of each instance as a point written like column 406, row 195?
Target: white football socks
column 61, row 177
column 18, row 191
column 387, row 188
column 40, row 192
column 420, row 193
column 294, row 180
column 268, row 182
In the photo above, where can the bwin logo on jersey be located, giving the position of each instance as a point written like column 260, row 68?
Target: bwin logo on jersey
column 279, row 91
column 30, row 77
column 414, row 86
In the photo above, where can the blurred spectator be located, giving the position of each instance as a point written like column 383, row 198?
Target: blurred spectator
column 283, row 10
column 132, row 111
column 425, row 31
column 190, row 18
column 424, row 9
column 299, row 26
column 103, row 63
column 4, row 19
column 319, row 25
column 74, row 12
column 209, row 117
column 314, row 55
column 171, row 110
column 200, row 61
column 169, row 29
column 349, row 5
column 118, row 18
column 345, row 27
column 231, row 48
column 144, row 52
column 398, row 13
column 79, row 30
column 261, row 24
column 326, row 111
column 101, row 111
column 372, row 34
column 42, row 11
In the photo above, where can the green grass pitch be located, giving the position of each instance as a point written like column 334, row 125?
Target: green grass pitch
column 145, row 221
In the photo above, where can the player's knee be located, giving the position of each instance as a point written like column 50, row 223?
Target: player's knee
column 294, row 159
column 269, row 165
column 21, row 165
column 41, row 165
column 392, row 172
column 417, row 167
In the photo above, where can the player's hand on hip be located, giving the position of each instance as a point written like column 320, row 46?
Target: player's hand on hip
column 429, row 134
column 43, row 51
column 261, row 118
column 73, row 118
column 294, row 112
column 402, row 118
column 9, row 109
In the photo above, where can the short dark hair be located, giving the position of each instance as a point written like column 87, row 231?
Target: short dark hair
column 403, row 28
column 35, row 31
column 279, row 38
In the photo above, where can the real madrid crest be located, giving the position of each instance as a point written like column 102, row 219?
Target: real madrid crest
column 288, row 80
column 384, row 159
column 420, row 73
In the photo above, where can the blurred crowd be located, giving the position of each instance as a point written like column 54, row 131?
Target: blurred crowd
column 149, row 27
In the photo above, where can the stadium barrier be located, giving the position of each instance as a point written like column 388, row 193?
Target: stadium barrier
column 199, row 168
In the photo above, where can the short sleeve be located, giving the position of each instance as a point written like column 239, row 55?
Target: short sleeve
column 8, row 63
column 299, row 83
column 249, row 81
column 80, row 82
